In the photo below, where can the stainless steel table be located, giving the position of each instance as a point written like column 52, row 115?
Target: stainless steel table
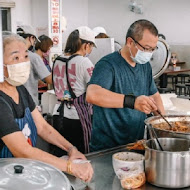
column 104, row 176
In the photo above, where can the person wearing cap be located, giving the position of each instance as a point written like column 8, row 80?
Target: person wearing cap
column 78, row 46
column 38, row 70
column 21, row 121
column 100, row 32
column 122, row 90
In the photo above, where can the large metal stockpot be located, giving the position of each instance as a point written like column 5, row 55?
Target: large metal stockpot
column 166, row 133
column 169, row 168
column 19, row 173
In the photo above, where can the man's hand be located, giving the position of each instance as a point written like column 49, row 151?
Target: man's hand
column 145, row 104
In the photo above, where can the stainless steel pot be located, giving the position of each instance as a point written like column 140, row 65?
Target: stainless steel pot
column 165, row 133
column 169, row 168
column 19, row 173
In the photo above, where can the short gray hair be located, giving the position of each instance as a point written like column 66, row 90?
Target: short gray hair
column 9, row 37
column 136, row 29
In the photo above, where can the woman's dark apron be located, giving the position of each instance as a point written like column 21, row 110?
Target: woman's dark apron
column 83, row 108
column 26, row 121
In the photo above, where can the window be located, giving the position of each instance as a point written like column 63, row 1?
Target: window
column 5, row 8
column 6, row 19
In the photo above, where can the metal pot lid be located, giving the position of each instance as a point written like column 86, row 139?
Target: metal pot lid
column 20, row 173
column 160, row 58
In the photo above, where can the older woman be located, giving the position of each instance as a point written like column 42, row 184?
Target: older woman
column 21, row 121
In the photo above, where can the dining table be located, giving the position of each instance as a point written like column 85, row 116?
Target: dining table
column 164, row 77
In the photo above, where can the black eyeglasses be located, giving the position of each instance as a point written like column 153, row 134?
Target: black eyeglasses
column 145, row 49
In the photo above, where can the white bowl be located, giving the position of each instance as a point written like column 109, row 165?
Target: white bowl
column 127, row 164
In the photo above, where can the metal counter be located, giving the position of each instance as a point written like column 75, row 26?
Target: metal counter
column 104, row 177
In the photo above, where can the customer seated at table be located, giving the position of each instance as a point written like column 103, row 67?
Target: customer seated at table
column 100, row 32
column 21, row 121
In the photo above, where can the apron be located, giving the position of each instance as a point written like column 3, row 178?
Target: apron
column 84, row 109
column 26, row 125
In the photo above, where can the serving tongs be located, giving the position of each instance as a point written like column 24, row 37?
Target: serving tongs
column 153, row 136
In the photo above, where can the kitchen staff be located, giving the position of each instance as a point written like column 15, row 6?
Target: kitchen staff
column 100, row 32
column 38, row 70
column 20, row 119
column 70, row 81
column 123, row 91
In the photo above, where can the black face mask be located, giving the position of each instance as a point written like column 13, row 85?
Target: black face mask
column 31, row 48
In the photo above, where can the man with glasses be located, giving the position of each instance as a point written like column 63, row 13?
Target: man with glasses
column 123, row 91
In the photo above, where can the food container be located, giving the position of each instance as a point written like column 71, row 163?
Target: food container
column 20, row 173
column 169, row 168
column 129, row 168
column 167, row 133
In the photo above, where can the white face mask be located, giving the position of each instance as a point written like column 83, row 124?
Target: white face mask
column 141, row 57
column 18, row 73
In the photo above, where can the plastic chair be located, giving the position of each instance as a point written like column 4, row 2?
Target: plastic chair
column 187, row 88
column 180, row 89
column 173, row 80
column 182, row 78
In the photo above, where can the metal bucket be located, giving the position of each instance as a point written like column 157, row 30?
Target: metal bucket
column 166, row 133
column 20, row 173
column 169, row 168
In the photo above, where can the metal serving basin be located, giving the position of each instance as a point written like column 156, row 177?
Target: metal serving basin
column 169, row 168
column 166, row 133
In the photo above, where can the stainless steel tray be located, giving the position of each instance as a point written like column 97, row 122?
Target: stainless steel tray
column 104, row 176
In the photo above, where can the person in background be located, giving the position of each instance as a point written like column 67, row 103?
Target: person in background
column 122, row 89
column 21, row 121
column 76, row 123
column 38, row 69
column 100, row 32
column 42, row 48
